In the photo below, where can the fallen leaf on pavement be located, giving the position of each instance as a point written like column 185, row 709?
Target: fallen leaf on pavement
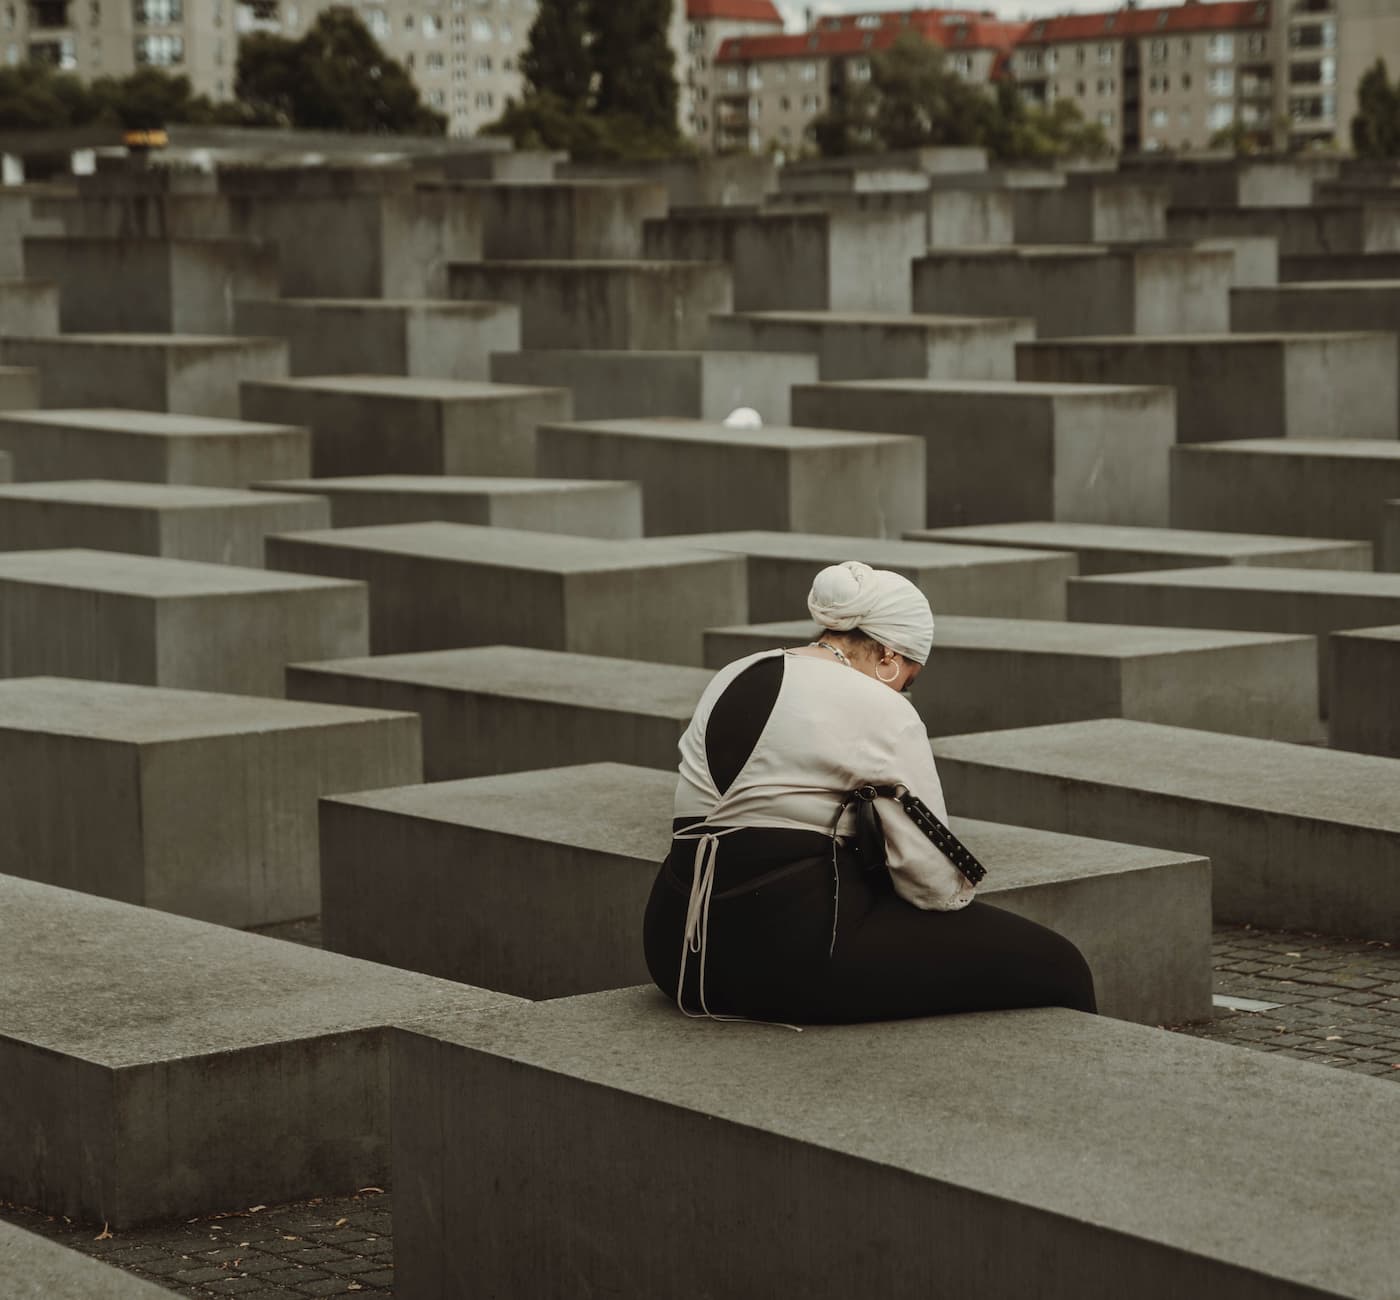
column 105, row 1234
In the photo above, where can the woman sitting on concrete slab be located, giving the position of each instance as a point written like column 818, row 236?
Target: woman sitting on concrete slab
column 778, row 900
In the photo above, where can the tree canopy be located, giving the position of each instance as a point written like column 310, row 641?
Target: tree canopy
column 1375, row 130
column 556, row 60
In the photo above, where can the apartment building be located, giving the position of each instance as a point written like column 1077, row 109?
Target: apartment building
column 710, row 24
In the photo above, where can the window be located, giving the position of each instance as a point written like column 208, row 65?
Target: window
column 1108, row 118
column 481, row 30
column 1105, row 54
column 860, row 69
column 433, row 60
column 1258, row 43
column 962, row 64
column 811, row 103
column 1106, row 85
column 1157, row 51
column 484, row 99
column 432, row 26
column 1327, row 70
column 1185, row 46
column 408, row 23
column 157, row 13
column 1185, row 118
column 1220, row 48
column 1186, row 81
column 1222, row 81
column 378, row 23
column 1080, row 55
column 1080, row 89
column 1160, row 117
column 1052, row 59
column 1220, row 116
column 159, row 51
column 437, row 98
column 809, row 72
column 1030, row 60
column 483, row 63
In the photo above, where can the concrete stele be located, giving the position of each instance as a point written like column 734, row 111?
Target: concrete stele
column 35, row 1268
column 491, row 709
column 1365, row 691
column 1389, row 558
column 585, row 843
column 1299, row 838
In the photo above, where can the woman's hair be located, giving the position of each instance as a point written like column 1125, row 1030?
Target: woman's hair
column 856, row 643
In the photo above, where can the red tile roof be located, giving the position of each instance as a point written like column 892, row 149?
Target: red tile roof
column 956, row 29
column 748, row 11
column 1195, row 16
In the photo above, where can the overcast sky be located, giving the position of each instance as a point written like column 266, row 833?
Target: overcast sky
column 1009, row 9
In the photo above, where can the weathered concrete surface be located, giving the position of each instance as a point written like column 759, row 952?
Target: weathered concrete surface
column 1331, row 487
column 563, row 220
column 217, row 1071
column 28, row 307
column 383, row 424
column 1315, row 602
column 438, row 586
column 582, row 507
column 124, row 791
column 427, row 339
column 1301, row 231
column 585, row 843
column 988, row 674
column 610, row 385
column 1121, row 211
column 1365, row 691
column 1215, row 1173
column 214, row 525
column 1001, row 450
column 954, row 218
column 1315, row 385
column 1298, row 837
column 186, row 374
column 159, row 622
column 1389, row 557
column 491, row 709
column 856, row 345
column 700, row 181
column 956, row 579
column 33, row 1268
column 698, row 476
column 1339, row 266
column 647, row 306
column 1104, row 548
column 7, row 467
column 151, row 447
column 19, row 388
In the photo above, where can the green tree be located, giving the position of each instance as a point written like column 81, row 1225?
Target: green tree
column 36, row 96
column 1375, row 130
column 633, row 63
column 556, row 60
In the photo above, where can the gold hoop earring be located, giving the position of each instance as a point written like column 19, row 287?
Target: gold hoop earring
column 892, row 676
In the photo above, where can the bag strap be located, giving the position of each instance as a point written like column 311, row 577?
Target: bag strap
column 935, row 831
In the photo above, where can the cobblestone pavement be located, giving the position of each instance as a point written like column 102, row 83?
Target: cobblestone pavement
column 1333, row 1002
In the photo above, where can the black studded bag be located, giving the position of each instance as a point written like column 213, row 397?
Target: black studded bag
column 870, row 837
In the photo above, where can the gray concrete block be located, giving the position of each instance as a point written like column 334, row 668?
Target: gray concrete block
column 582, row 507
column 584, row 843
column 124, row 791
column 1256, row 257
column 956, row 579
column 1124, row 211
column 159, row 622
column 1316, row 385
column 1300, row 838
column 1314, row 602
column 384, row 424
column 151, row 447
column 1306, row 230
column 492, row 709
column 158, row 1067
column 438, row 586
column 699, row 476
column 214, row 525
column 185, row 374
column 693, row 181
column 614, row 385
column 1339, row 266
column 954, row 218
column 35, row 1268
column 1064, row 1156
column 7, row 467
column 1365, row 691
column 854, row 345
column 990, row 674
column 1323, row 488
column 1084, row 290
column 1001, row 450
column 1104, row 548
column 156, row 286
column 28, row 306
column 348, row 336
column 646, row 306
column 19, row 388
column 1389, row 557
column 565, row 220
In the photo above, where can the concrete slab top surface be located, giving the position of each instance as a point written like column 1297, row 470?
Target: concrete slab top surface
column 592, row 265
column 440, row 485
column 550, row 676
column 437, row 306
column 1311, row 448
column 1242, row 577
column 1049, row 535
column 771, row 437
column 144, row 575
column 507, row 548
column 407, row 386
column 136, row 340
column 120, row 985
column 1032, row 389
column 155, row 424
column 1242, row 340
column 1321, row 286
column 116, row 711
column 1267, row 1164
column 821, row 549
column 1320, row 785
column 1371, row 633
column 885, row 320
column 143, row 496
column 35, row 1268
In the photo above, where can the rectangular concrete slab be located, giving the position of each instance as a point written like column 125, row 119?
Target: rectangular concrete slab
column 1104, row 548
column 1389, row 557
column 7, row 467
column 585, row 843
column 611, row 385
column 29, row 306
column 175, row 623
column 1365, row 691
column 869, row 345
column 151, row 447
column 1091, row 210
column 491, row 709
column 986, row 674
column 999, row 1155
column 1324, row 488
column 184, row 374
column 1298, row 837
column 215, row 525
column 356, row 336
column 1001, row 450
column 701, row 476
column 34, row 1268
column 19, row 388
column 384, row 424
column 125, row 791
column 1314, row 385
column 565, row 219
column 439, row 586
column 582, row 507
column 956, row 579
column 158, row 1067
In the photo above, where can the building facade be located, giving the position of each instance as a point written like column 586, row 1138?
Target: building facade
column 710, row 24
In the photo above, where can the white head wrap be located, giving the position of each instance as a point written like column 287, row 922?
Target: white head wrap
column 880, row 603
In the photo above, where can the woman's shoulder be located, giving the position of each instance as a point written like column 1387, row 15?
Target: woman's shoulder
column 850, row 685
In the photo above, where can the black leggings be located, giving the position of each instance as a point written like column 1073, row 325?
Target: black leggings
column 769, row 953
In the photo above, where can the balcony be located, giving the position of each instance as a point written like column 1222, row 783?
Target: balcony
column 259, row 16
column 1302, row 10
column 49, row 15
